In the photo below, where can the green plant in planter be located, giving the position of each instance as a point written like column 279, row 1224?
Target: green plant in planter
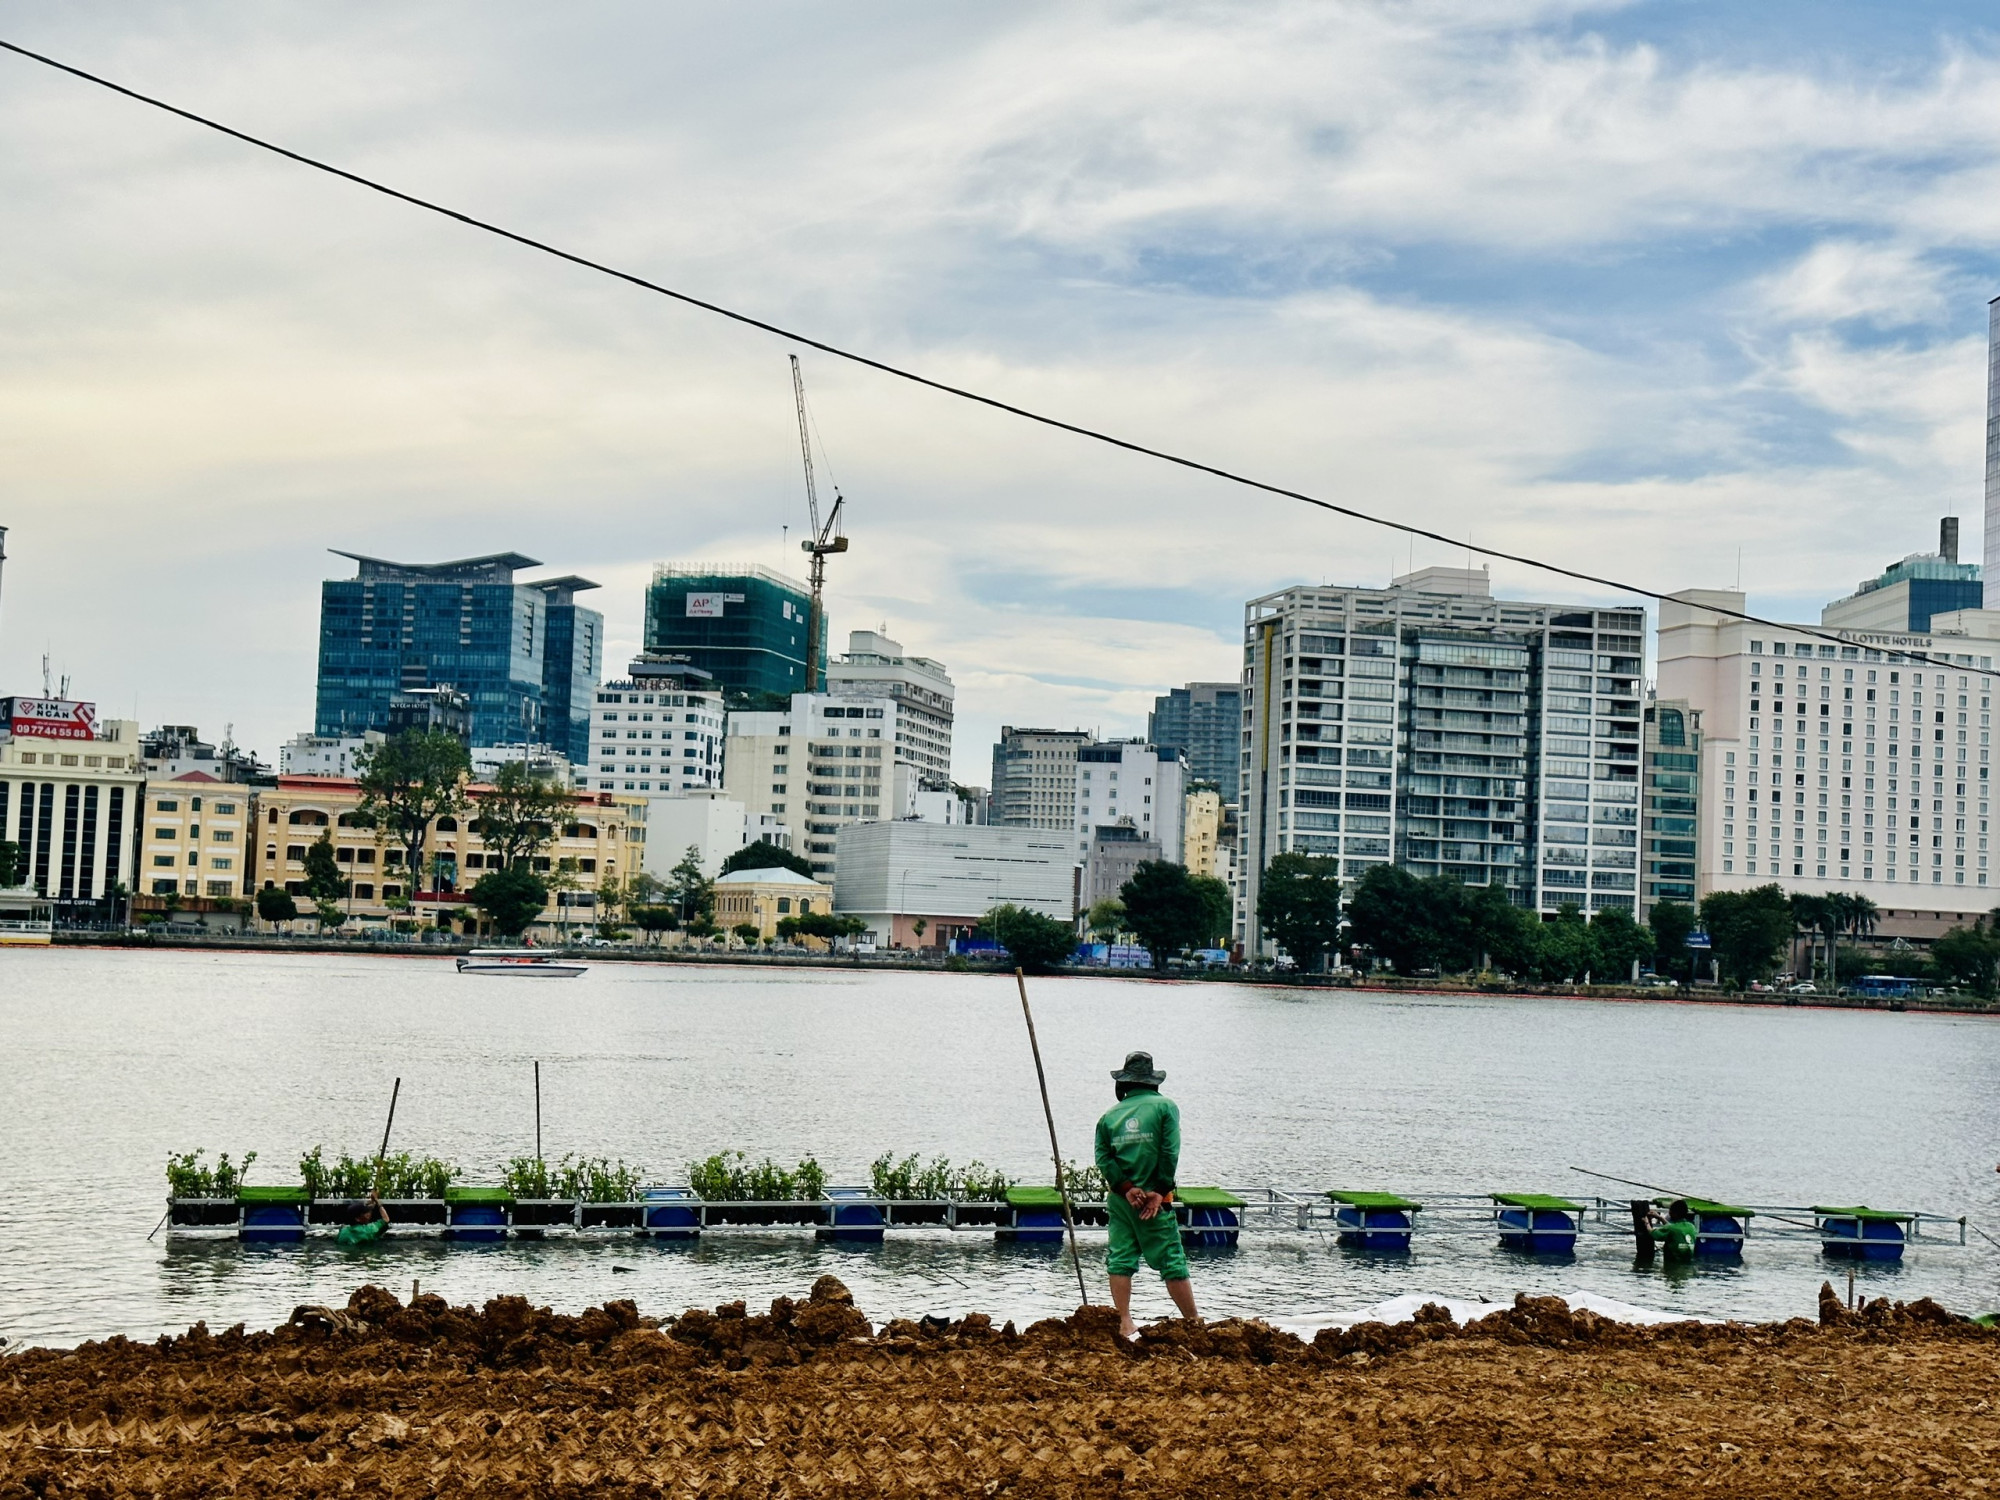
column 398, row 1176
column 527, row 1177
column 729, row 1177
column 908, row 1179
column 1083, row 1182
column 189, row 1177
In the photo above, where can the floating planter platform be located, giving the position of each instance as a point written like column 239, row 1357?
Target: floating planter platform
column 1537, row 1223
column 1374, row 1221
column 1720, row 1228
column 477, row 1214
column 1863, row 1233
column 273, row 1215
column 1209, row 1217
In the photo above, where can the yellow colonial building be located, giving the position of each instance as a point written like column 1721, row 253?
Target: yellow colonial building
column 594, row 847
column 760, row 898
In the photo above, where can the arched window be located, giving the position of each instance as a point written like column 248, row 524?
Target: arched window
column 447, row 825
column 805, row 906
column 785, row 904
column 307, row 817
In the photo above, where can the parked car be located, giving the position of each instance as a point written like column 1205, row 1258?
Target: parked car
column 1803, row 987
column 1656, row 982
column 1757, row 987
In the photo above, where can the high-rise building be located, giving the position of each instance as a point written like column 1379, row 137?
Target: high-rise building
column 826, row 762
column 1906, row 595
column 1672, row 806
column 1132, row 784
column 397, row 627
column 1859, row 764
column 1434, row 726
column 1992, row 550
column 875, row 666
column 656, row 730
column 744, row 626
column 1204, row 721
column 1034, row 777
column 570, row 666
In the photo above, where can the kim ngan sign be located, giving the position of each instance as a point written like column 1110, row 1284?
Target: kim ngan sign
column 50, row 718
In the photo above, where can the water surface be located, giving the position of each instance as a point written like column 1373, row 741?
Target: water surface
column 115, row 1058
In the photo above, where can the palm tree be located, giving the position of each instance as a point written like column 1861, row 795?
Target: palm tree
column 1863, row 916
column 1808, row 916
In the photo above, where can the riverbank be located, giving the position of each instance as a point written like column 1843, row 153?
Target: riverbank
column 383, row 1398
column 906, row 963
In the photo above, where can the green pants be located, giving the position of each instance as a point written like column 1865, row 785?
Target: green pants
column 1156, row 1240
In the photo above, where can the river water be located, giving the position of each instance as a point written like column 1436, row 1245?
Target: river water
column 115, row 1058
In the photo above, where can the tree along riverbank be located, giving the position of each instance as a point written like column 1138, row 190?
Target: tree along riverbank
column 1954, row 1004
column 809, row 1399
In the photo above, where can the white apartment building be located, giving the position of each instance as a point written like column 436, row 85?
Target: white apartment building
column 828, row 761
column 876, row 667
column 541, row 760
column 1129, row 783
column 658, row 729
column 325, row 755
column 1452, row 733
column 71, row 795
column 1034, row 777
column 1861, row 763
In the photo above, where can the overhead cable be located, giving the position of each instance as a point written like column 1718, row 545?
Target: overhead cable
column 1457, row 544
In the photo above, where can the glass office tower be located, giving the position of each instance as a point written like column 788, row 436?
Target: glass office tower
column 395, row 627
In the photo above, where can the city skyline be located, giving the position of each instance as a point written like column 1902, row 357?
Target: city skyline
column 1774, row 349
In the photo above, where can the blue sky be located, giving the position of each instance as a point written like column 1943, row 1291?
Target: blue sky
column 1641, row 288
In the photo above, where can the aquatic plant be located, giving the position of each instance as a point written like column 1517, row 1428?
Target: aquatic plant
column 1083, row 1182
column 527, row 1177
column 975, row 1182
column 728, row 1176
column 189, row 1177
column 400, row 1176
column 597, row 1180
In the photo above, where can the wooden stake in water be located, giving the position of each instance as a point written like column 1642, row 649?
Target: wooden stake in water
column 386, row 1127
column 1055, row 1150
column 538, row 1110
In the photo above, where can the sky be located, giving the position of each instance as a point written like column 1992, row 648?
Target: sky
column 1683, row 294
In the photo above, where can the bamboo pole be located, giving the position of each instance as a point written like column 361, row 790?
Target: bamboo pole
column 1055, row 1150
column 386, row 1127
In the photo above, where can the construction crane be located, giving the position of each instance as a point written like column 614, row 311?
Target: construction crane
column 820, row 540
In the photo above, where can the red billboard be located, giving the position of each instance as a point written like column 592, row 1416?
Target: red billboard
column 51, row 718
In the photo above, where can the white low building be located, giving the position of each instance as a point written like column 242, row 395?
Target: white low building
column 712, row 824
column 1861, row 763
column 947, row 876
column 326, row 755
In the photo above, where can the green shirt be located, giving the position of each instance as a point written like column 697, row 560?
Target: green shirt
column 362, row 1234
column 1139, row 1141
column 1677, row 1236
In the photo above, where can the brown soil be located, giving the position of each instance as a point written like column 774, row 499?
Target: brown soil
column 383, row 1399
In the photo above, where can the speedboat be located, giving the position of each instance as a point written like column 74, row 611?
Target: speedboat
column 532, row 962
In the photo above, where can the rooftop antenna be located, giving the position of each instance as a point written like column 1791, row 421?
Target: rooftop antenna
column 48, row 689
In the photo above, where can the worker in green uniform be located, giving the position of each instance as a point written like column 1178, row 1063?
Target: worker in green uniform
column 1138, row 1151
column 1675, row 1234
column 368, row 1225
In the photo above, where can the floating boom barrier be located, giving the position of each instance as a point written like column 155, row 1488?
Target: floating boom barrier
column 1367, row 1221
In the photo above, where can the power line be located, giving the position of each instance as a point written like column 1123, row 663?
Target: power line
column 1457, row 544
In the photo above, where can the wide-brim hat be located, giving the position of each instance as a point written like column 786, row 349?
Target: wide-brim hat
column 1139, row 1069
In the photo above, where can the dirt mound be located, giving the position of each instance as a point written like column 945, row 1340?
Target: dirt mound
column 383, row 1397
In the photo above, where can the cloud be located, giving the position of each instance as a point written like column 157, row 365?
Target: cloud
column 1531, row 273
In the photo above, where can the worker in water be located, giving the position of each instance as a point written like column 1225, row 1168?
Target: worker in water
column 1138, row 1150
column 1675, row 1234
column 369, row 1224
